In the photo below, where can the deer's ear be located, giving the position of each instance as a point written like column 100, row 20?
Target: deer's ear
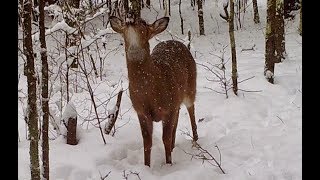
column 158, row 26
column 116, row 24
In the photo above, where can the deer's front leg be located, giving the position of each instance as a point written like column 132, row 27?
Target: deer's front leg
column 146, row 130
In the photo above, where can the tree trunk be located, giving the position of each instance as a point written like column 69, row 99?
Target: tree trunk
column 20, row 13
column 126, row 6
column 270, row 46
column 200, row 16
column 148, row 3
column 181, row 19
column 44, row 94
column 169, row 7
column 189, row 39
column 193, row 2
column 32, row 95
column 135, row 7
column 233, row 49
column 51, row 1
column 290, row 5
column 72, row 131
column 279, row 32
column 300, row 24
column 256, row 18
column 109, row 7
column 93, row 64
column 35, row 3
column 74, row 3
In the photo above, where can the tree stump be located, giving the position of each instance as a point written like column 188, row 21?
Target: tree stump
column 72, row 131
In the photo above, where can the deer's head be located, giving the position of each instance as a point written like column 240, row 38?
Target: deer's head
column 136, row 32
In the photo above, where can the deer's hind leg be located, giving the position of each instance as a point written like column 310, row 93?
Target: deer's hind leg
column 168, row 124
column 189, row 103
column 193, row 122
column 175, row 124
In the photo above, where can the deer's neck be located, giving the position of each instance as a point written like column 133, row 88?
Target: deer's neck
column 139, row 63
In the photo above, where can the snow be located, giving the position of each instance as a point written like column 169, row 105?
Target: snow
column 269, row 74
column 61, row 26
column 69, row 112
column 259, row 134
column 225, row 3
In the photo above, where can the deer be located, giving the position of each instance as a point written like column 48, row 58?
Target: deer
column 158, row 82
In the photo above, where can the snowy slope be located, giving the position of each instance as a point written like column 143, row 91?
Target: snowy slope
column 259, row 134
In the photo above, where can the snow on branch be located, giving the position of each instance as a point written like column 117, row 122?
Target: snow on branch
column 113, row 114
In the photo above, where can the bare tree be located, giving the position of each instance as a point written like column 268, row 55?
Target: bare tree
column 169, row 7
column 135, row 7
column 44, row 94
column 280, row 48
column 200, row 16
column 256, row 12
column 181, row 19
column 126, row 6
column 290, row 5
column 74, row 3
column 51, row 1
column 32, row 94
column 300, row 24
column 193, row 3
column 233, row 49
column 189, row 40
column 270, row 38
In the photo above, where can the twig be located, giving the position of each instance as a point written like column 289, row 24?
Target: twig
column 226, row 17
column 104, row 177
column 126, row 175
column 248, row 49
column 203, row 153
column 246, row 79
column 214, row 90
column 116, row 128
column 91, row 94
column 249, row 90
column 280, row 119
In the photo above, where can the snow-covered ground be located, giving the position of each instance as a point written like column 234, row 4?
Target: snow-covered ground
column 259, row 134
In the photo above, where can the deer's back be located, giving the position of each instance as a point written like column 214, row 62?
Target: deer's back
column 176, row 70
column 173, row 57
column 172, row 53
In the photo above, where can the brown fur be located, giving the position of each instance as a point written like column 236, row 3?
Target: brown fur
column 159, row 83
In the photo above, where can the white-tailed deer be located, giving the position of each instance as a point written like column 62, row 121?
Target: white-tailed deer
column 158, row 82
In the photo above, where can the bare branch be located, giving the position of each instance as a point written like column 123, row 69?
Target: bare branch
column 113, row 117
column 249, row 49
column 126, row 175
column 203, row 154
column 104, row 177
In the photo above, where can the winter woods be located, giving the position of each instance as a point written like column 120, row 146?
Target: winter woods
column 75, row 102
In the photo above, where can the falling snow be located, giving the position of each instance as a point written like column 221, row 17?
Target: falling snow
column 259, row 134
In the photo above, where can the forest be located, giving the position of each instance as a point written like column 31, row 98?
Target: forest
column 159, row 89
